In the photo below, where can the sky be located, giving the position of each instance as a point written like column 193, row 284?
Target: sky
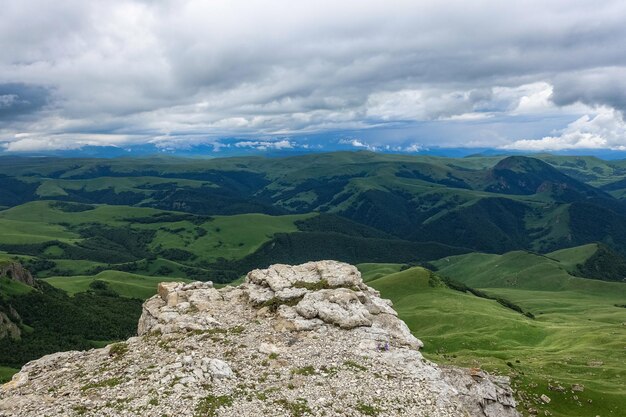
column 303, row 75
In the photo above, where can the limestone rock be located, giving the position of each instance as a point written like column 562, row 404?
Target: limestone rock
column 310, row 337
column 340, row 307
column 220, row 369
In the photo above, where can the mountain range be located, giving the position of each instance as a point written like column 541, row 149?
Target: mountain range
column 484, row 243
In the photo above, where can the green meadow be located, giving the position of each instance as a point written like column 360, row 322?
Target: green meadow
column 578, row 335
column 124, row 283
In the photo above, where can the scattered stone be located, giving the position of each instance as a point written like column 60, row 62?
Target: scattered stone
column 557, row 388
column 220, row 369
column 268, row 348
column 545, row 399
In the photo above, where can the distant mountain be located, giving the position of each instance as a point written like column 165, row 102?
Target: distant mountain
column 522, row 175
column 493, row 204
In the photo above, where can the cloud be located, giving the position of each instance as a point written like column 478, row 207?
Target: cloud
column 18, row 100
column 357, row 143
column 604, row 130
column 598, row 86
column 30, row 143
column 193, row 70
column 265, row 145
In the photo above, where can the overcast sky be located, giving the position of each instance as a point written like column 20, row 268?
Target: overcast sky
column 403, row 75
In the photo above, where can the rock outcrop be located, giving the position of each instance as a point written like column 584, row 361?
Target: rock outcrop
column 9, row 327
column 16, row 272
column 299, row 340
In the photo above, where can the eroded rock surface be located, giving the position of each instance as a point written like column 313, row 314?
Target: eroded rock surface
column 16, row 272
column 311, row 339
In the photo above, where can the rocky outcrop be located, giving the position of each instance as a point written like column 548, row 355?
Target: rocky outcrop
column 10, row 320
column 8, row 328
column 311, row 339
column 16, row 272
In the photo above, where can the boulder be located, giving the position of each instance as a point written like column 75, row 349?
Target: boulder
column 340, row 307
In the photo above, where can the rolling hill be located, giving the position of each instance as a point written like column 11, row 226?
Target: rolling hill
column 493, row 204
column 529, row 253
column 571, row 351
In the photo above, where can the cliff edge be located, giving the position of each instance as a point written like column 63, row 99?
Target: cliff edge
column 306, row 340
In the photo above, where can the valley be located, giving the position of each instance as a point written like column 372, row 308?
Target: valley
column 511, row 264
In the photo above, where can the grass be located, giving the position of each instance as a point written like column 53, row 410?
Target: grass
column 229, row 237
column 7, row 373
column 578, row 336
column 124, row 283
column 372, row 271
column 107, row 383
column 9, row 288
column 22, row 232
column 209, row 405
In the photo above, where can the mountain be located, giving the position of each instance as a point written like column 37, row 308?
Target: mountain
column 493, row 203
column 311, row 340
column 526, row 176
column 513, row 264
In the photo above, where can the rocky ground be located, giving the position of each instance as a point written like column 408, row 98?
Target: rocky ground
column 307, row 340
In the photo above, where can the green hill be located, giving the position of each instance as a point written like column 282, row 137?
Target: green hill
column 576, row 338
column 544, row 235
column 123, row 283
column 494, row 204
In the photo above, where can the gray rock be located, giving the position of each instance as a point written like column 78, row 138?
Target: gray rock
column 219, row 369
column 340, row 307
column 339, row 345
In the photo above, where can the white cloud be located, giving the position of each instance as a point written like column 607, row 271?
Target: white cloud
column 264, row 145
column 7, row 100
column 200, row 70
column 358, row 143
column 26, row 142
column 606, row 129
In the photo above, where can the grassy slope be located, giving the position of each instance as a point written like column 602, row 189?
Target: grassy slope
column 57, row 187
column 125, row 284
column 9, row 287
column 7, row 373
column 372, row 271
column 229, row 237
column 583, row 336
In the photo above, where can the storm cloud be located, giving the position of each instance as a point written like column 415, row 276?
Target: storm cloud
column 19, row 100
column 122, row 72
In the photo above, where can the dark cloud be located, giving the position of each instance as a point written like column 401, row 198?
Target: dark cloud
column 183, row 70
column 600, row 86
column 19, row 100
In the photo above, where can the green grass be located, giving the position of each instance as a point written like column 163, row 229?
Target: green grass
column 41, row 213
column 20, row 232
column 570, row 257
column 578, row 336
column 7, row 373
column 9, row 288
column 524, row 270
column 229, row 237
column 123, row 283
column 60, row 187
column 372, row 271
